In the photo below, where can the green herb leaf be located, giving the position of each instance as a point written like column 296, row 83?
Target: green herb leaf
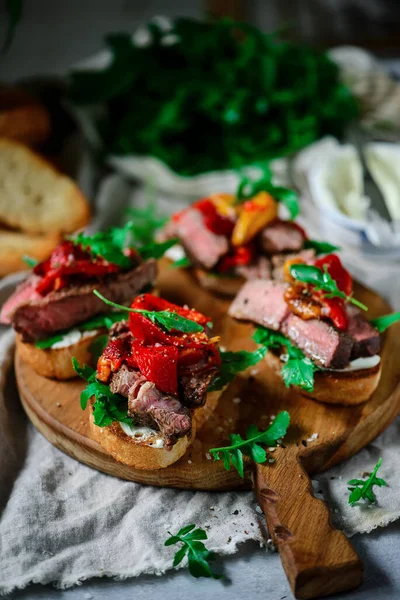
column 104, row 244
column 234, row 362
column 321, row 247
column 298, row 369
column 198, row 555
column 144, row 224
column 183, row 263
column 107, row 407
column 49, row 342
column 156, row 250
column 31, row 262
column 164, row 318
column 248, row 188
column 382, row 323
column 321, row 280
column 361, row 489
column 250, row 446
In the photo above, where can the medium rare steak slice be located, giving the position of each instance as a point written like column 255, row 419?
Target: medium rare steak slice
column 260, row 269
column 203, row 246
column 366, row 339
column 281, row 236
column 279, row 260
column 319, row 341
column 150, row 407
column 40, row 317
column 193, row 388
column 24, row 292
column 261, row 302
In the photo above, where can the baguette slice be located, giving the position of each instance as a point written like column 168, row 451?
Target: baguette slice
column 14, row 245
column 224, row 286
column 347, row 388
column 34, row 196
column 22, row 117
column 138, row 453
column 56, row 363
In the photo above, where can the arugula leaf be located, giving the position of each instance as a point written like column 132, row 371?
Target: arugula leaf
column 156, row 249
column 107, row 407
column 183, row 262
column 197, row 554
column 321, row 280
column 103, row 243
column 361, row 489
column 320, row 247
column 250, row 446
column 232, row 363
column 298, row 369
column 144, row 224
column 31, row 262
column 165, row 318
column 383, row 323
column 98, row 322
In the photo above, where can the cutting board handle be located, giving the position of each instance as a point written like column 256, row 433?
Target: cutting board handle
column 318, row 559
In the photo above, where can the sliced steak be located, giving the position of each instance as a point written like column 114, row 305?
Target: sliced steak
column 260, row 269
column 193, row 388
column 40, row 317
column 279, row 260
column 366, row 339
column 319, row 341
column 281, row 236
column 261, row 302
column 203, row 246
column 24, row 292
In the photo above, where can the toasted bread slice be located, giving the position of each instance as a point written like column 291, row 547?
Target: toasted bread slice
column 22, row 117
column 224, row 286
column 34, row 196
column 347, row 388
column 14, row 245
column 56, row 363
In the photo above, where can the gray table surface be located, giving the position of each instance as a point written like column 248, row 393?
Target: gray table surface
column 52, row 36
column 251, row 573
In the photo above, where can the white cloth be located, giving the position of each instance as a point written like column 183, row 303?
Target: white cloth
column 63, row 522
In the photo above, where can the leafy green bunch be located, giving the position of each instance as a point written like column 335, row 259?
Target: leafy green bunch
column 197, row 554
column 204, row 96
column 297, row 369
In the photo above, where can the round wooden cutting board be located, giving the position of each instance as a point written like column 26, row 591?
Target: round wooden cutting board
column 318, row 560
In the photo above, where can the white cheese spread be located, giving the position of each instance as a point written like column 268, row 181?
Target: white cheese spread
column 366, row 362
column 72, row 337
column 141, row 434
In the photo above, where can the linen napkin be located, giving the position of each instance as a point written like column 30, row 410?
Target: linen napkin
column 63, row 522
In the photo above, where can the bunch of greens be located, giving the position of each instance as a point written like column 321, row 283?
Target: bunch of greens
column 107, row 407
column 206, row 96
column 297, row 369
column 250, row 446
column 197, row 554
column 361, row 489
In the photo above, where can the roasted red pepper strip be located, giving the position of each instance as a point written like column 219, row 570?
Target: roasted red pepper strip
column 158, row 364
column 213, row 220
column 243, row 255
column 337, row 271
column 335, row 310
column 115, row 353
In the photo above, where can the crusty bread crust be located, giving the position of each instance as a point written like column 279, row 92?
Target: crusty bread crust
column 225, row 286
column 35, row 196
column 135, row 453
column 15, row 244
column 22, row 117
column 57, row 363
column 347, row 388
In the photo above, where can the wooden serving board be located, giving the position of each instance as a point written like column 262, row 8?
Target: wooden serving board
column 318, row 560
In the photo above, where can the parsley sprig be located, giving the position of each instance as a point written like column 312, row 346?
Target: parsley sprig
column 320, row 247
column 197, row 554
column 298, row 369
column 250, row 446
column 361, row 489
column 98, row 322
column 323, row 281
column 232, row 363
column 107, row 407
column 164, row 318
column 383, row 323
